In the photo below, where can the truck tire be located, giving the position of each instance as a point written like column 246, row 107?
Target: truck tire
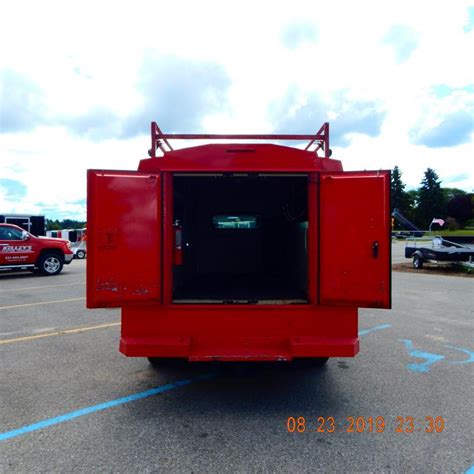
column 167, row 362
column 50, row 263
column 417, row 261
column 311, row 362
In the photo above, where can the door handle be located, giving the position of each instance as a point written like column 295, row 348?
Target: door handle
column 375, row 249
column 178, row 243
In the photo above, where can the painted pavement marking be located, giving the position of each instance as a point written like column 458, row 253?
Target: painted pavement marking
column 101, row 406
column 40, row 287
column 58, row 333
column 420, row 367
column 363, row 332
column 469, row 360
column 41, row 302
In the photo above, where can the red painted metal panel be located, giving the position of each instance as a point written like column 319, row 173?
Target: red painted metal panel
column 239, row 332
column 124, row 234
column 244, row 158
column 355, row 245
column 168, row 238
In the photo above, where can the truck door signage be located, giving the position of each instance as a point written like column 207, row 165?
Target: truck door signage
column 17, row 249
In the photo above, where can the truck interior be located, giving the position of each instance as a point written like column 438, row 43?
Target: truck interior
column 243, row 238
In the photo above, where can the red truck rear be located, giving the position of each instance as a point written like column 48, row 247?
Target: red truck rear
column 239, row 252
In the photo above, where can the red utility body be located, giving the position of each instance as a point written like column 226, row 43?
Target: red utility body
column 239, row 251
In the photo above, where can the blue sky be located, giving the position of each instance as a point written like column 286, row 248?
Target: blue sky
column 79, row 85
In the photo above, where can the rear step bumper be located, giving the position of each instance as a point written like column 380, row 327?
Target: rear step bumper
column 243, row 349
column 239, row 332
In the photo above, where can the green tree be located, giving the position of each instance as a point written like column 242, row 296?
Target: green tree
column 461, row 208
column 431, row 199
column 450, row 193
column 72, row 224
column 413, row 200
column 399, row 197
column 64, row 224
column 52, row 224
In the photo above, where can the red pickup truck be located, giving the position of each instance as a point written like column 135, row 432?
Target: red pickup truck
column 20, row 250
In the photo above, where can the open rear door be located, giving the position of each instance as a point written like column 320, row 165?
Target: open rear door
column 123, row 237
column 355, row 242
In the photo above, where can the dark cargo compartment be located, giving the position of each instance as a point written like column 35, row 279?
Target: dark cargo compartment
column 243, row 238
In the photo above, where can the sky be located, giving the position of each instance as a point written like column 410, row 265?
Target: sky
column 81, row 82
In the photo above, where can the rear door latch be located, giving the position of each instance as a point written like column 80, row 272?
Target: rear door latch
column 375, row 249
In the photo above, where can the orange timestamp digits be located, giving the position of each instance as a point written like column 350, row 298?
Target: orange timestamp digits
column 409, row 424
column 362, row 424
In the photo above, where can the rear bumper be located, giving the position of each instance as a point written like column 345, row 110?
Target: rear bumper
column 230, row 333
column 244, row 349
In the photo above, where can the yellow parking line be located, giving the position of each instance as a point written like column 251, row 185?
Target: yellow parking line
column 41, row 302
column 58, row 333
column 39, row 287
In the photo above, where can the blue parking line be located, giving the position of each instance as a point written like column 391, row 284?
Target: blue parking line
column 102, row 406
column 363, row 332
column 470, row 470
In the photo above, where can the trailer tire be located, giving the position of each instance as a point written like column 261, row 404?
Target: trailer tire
column 50, row 263
column 417, row 261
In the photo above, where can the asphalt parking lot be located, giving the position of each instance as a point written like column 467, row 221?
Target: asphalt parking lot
column 71, row 402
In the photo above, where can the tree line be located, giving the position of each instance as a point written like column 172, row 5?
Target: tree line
column 430, row 200
column 64, row 224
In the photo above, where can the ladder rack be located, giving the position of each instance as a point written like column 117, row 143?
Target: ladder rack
column 161, row 140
